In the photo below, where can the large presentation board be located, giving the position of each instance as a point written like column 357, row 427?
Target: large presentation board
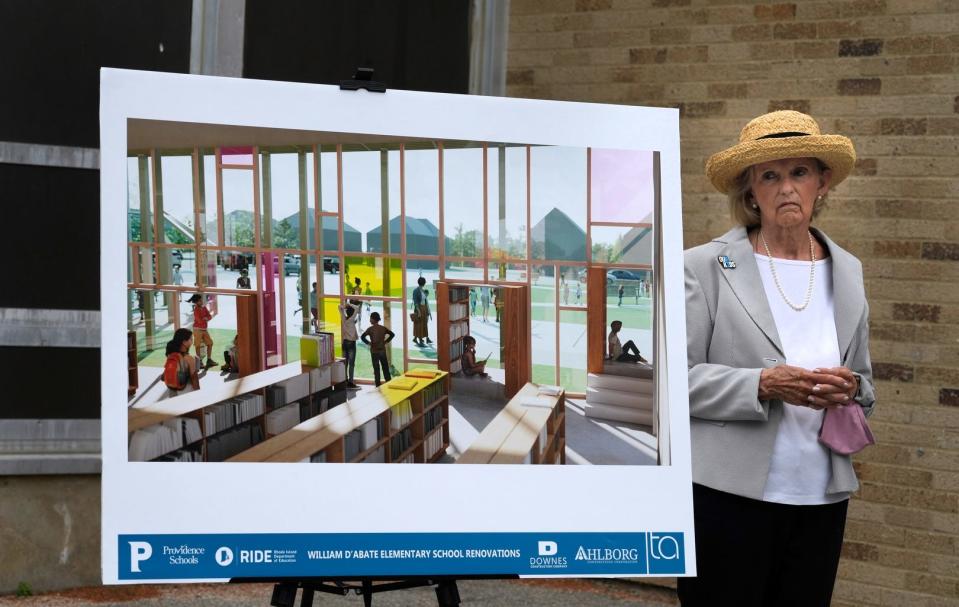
column 519, row 228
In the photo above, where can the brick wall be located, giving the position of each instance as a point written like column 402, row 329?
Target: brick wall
column 885, row 73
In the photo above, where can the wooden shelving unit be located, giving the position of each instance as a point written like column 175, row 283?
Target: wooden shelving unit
column 194, row 405
column 133, row 372
column 596, row 329
column 412, row 426
column 450, row 322
column 515, row 351
column 522, row 433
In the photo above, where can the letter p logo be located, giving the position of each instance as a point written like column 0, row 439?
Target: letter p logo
column 139, row 552
column 548, row 548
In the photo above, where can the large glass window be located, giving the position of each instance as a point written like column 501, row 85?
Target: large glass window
column 506, row 203
column 558, row 203
column 422, row 201
column 237, row 208
column 463, row 179
column 175, row 199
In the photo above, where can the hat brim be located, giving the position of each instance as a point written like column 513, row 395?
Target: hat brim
column 836, row 151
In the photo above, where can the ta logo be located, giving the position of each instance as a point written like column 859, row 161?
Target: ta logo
column 224, row 556
column 663, row 547
column 547, row 548
column 139, row 552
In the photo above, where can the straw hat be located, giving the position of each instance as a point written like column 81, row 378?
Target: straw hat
column 777, row 135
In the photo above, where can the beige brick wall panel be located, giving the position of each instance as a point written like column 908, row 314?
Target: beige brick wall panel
column 539, row 7
column 816, row 11
column 856, row 592
column 935, row 24
column 884, row 73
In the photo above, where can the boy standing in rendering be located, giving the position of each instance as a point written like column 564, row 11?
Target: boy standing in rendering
column 622, row 353
column 201, row 336
column 349, row 317
column 376, row 337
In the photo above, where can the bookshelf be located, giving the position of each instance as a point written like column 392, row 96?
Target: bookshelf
column 385, row 425
column 523, row 433
column 452, row 324
column 133, row 372
column 596, row 320
column 515, row 351
column 215, row 423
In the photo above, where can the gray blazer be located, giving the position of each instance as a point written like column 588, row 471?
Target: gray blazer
column 731, row 337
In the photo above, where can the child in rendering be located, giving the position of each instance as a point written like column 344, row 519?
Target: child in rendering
column 376, row 337
column 201, row 336
column 232, row 364
column 619, row 352
column 349, row 318
column 180, row 369
column 470, row 366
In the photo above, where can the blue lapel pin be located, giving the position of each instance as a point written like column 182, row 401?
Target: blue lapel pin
column 726, row 262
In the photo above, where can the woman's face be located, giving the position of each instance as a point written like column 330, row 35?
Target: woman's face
column 786, row 190
column 188, row 344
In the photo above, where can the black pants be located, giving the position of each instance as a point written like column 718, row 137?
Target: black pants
column 751, row 553
column 349, row 353
column 630, row 353
column 379, row 360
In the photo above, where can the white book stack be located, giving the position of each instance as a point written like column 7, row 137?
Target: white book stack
column 459, row 329
column 154, row 441
column 376, row 457
column 401, row 415
column 458, row 311
column 542, row 439
column 338, row 370
column 191, row 429
column 320, row 378
column 434, row 443
column 370, row 437
column 282, row 419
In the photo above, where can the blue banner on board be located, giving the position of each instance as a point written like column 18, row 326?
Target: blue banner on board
column 294, row 555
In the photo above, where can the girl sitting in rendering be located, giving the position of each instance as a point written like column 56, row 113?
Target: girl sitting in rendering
column 470, row 366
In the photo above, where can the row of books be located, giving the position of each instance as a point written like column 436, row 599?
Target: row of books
column 228, row 444
column 288, row 390
column 459, row 293
column 459, row 329
column 456, row 366
column 362, row 438
column 400, row 414
column 433, row 444
column 406, row 460
column 456, row 349
column 458, row 311
column 183, row 455
column 376, row 457
column 229, row 413
column 400, row 443
column 316, row 349
column 542, row 439
column 433, row 391
column 432, row 419
column 152, row 442
column 282, row 419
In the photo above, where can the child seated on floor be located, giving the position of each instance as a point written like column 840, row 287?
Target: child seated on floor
column 619, row 352
column 232, row 364
column 469, row 364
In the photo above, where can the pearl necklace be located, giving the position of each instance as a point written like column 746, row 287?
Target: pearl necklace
column 812, row 274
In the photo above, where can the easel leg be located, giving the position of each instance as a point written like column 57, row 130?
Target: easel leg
column 447, row 594
column 367, row 593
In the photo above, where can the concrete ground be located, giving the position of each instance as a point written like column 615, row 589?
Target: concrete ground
column 529, row 593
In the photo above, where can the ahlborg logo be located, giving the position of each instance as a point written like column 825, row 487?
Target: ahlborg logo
column 224, row 556
column 139, row 552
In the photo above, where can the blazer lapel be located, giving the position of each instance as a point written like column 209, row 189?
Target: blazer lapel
column 747, row 284
column 848, row 298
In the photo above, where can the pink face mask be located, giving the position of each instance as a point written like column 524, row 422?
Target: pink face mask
column 845, row 431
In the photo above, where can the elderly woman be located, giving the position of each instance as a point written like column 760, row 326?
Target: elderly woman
column 777, row 336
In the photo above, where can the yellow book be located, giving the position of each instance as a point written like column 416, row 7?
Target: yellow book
column 402, row 383
column 422, row 373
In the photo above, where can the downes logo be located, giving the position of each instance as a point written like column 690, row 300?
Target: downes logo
column 139, row 552
column 547, row 559
column 548, row 548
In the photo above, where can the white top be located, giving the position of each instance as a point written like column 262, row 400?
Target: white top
column 349, row 322
column 799, row 470
column 615, row 346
